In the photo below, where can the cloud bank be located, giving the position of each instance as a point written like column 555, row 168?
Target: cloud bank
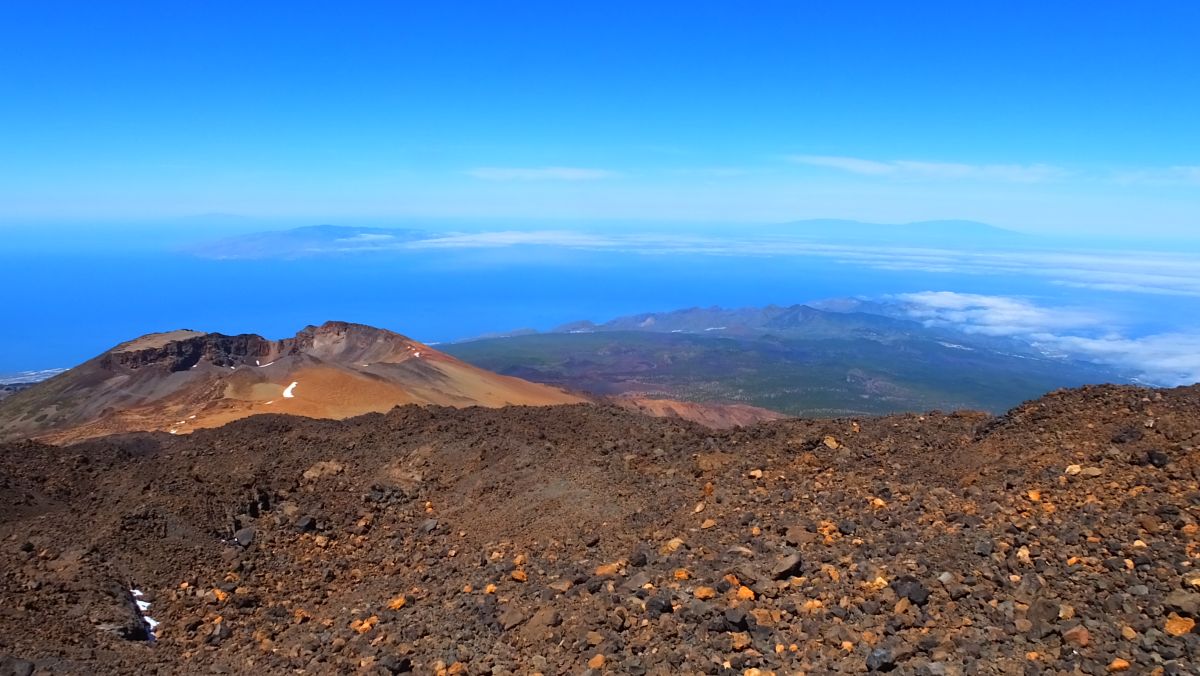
column 915, row 169
column 1160, row 359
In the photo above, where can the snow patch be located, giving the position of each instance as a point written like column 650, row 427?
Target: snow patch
column 287, row 392
column 143, row 608
column 263, row 366
column 716, row 328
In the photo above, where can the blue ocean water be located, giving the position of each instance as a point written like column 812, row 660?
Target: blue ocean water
column 61, row 309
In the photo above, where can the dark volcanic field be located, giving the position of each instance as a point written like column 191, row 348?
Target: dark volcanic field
column 1061, row 538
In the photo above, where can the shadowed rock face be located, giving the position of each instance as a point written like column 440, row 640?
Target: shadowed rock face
column 178, row 355
column 521, row 539
column 332, row 340
column 185, row 380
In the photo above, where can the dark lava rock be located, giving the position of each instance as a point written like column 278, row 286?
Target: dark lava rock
column 428, row 525
column 1182, row 602
column 244, row 537
column 1127, row 435
column 306, row 524
column 881, row 659
column 12, row 666
column 1042, row 615
column 396, row 664
column 912, row 589
column 786, row 566
column 658, row 605
column 511, row 616
column 640, row 557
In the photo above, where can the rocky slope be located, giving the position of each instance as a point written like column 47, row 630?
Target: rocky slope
column 716, row 416
column 1061, row 538
column 186, row 380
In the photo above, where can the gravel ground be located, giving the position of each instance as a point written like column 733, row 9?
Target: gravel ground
column 1061, row 538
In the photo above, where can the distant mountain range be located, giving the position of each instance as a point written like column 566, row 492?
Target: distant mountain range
column 307, row 241
column 336, row 240
column 797, row 360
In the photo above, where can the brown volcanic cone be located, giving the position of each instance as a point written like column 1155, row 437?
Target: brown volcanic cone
column 185, row 380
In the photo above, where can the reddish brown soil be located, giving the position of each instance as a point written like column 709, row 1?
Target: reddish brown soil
column 716, row 416
column 1061, row 538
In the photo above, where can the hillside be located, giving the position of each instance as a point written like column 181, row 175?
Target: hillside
column 796, row 360
column 1059, row 538
column 181, row 381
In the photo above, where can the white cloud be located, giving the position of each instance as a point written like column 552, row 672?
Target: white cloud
column 993, row 315
column 564, row 238
column 851, row 164
column 540, row 173
column 1160, row 359
column 366, row 237
column 915, row 169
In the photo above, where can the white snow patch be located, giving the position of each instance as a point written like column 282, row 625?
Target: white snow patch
column 173, row 431
column 192, row 416
column 263, row 366
column 417, row 355
column 716, row 328
column 257, row 362
column 287, row 393
column 143, row 607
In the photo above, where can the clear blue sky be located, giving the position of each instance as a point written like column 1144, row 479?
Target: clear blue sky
column 1056, row 116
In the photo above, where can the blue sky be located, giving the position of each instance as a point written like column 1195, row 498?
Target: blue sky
column 1069, row 117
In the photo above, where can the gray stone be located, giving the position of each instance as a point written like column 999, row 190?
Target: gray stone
column 244, row 537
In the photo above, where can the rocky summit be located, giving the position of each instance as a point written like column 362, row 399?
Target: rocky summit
column 184, row 380
column 1060, row 538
